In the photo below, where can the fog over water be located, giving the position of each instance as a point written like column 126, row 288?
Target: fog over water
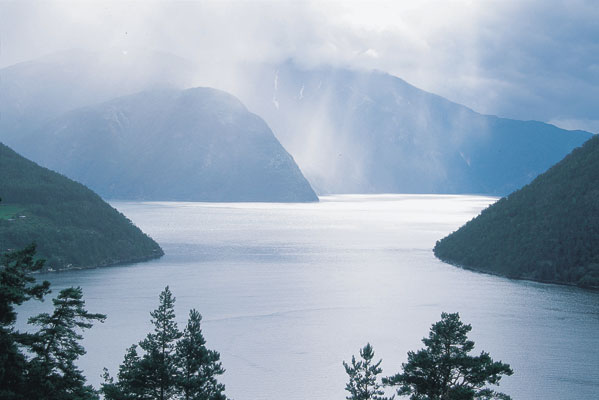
column 289, row 291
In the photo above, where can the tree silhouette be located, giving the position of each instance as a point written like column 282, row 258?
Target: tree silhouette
column 363, row 383
column 52, row 372
column 444, row 370
column 173, row 365
column 198, row 366
column 16, row 287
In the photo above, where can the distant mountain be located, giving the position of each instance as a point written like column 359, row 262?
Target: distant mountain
column 34, row 91
column 198, row 144
column 349, row 131
column 72, row 226
column 370, row 132
column 547, row 231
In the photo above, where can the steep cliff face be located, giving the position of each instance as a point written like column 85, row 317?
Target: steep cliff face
column 370, row 132
column 198, row 144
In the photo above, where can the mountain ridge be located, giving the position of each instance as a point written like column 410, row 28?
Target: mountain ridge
column 198, row 144
column 409, row 140
column 349, row 131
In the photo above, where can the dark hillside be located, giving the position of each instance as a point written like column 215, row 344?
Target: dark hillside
column 72, row 226
column 546, row 231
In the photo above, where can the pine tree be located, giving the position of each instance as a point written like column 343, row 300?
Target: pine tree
column 130, row 384
column 198, row 366
column 363, row 383
column 444, row 370
column 52, row 372
column 16, row 283
column 158, row 365
column 16, row 287
column 173, row 365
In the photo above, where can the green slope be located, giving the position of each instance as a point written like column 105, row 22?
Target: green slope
column 72, row 226
column 546, row 231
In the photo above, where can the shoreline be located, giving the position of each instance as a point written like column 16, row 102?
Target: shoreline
column 514, row 278
column 134, row 260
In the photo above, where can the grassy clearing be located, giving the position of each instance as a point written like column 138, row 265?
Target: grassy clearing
column 9, row 211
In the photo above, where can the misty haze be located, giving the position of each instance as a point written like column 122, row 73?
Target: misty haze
column 299, row 200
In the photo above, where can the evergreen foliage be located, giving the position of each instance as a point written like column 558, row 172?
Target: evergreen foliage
column 444, row 369
column 16, row 283
column 40, row 365
column 130, row 383
column 72, row 226
column 158, row 364
column 56, row 347
column 546, row 231
column 16, row 287
column 363, row 377
column 198, row 366
column 174, row 365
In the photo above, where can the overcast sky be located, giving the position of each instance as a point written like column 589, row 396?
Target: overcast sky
column 520, row 59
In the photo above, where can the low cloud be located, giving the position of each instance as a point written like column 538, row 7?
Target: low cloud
column 519, row 59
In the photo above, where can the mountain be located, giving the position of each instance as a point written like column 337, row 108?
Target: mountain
column 350, row 131
column 198, row 144
column 40, row 89
column 72, row 226
column 356, row 131
column 546, row 231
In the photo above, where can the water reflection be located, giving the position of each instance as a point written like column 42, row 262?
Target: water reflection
column 289, row 291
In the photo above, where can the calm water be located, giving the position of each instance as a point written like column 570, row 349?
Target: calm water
column 289, row 291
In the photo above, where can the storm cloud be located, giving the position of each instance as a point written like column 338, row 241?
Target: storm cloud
column 516, row 59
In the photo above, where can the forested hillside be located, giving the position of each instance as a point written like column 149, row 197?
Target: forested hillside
column 72, row 226
column 546, row 231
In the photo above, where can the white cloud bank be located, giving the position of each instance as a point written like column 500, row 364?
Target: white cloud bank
column 519, row 59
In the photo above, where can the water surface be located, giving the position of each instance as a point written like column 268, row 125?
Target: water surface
column 289, row 291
